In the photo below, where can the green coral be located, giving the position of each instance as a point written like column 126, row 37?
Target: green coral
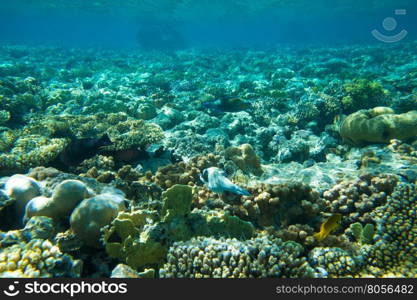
column 177, row 204
column 363, row 235
column 133, row 243
column 215, row 223
column 363, row 94
column 140, row 239
column 177, row 200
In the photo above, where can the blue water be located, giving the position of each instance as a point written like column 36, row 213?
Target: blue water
column 200, row 23
column 86, row 89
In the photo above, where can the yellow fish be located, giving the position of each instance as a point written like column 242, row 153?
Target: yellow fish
column 331, row 224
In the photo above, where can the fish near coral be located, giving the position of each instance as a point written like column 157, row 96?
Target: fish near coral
column 80, row 149
column 216, row 181
column 328, row 226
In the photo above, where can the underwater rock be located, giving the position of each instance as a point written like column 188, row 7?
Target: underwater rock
column 92, row 214
column 146, row 111
column 168, row 118
column 65, row 198
column 378, row 125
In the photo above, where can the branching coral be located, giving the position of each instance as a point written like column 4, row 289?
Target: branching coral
column 230, row 258
column 395, row 250
column 356, row 199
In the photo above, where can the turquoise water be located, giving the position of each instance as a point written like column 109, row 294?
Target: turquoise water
column 209, row 139
column 214, row 23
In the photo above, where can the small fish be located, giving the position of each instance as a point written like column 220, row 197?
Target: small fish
column 328, row 226
column 216, row 181
column 227, row 104
column 79, row 150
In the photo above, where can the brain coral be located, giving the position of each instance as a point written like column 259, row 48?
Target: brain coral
column 378, row 125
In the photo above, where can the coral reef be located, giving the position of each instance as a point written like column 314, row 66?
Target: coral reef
column 363, row 94
column 337, row 262
column 272, row 121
